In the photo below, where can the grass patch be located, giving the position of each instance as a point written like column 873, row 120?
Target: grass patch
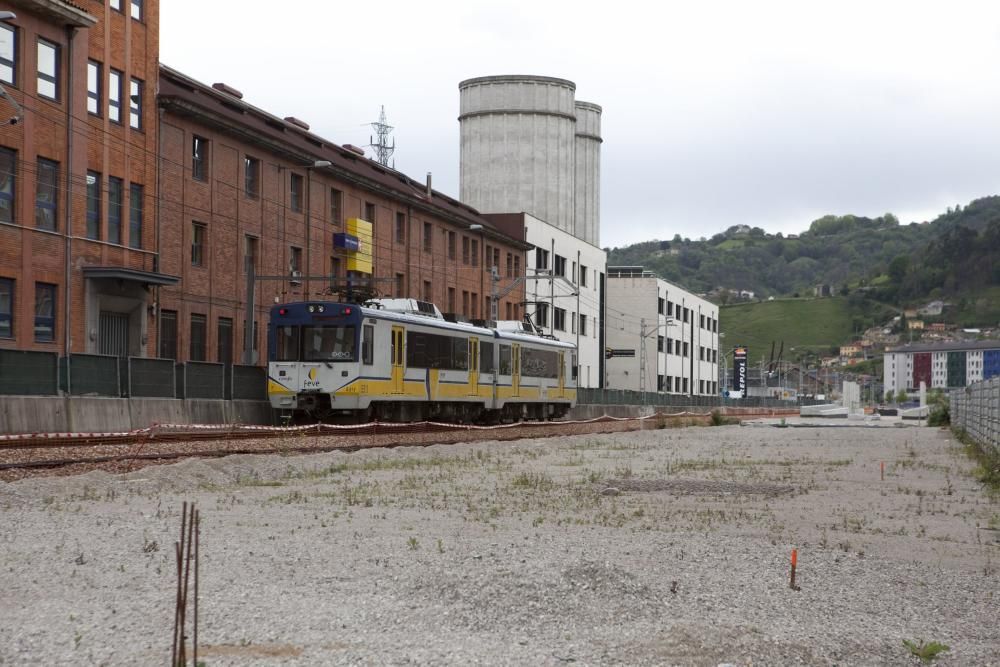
column 927, row 652
column 988, row 469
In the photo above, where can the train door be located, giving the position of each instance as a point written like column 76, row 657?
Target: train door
column 562, row 374
column 397, row 356
column 474, row 366
column 515, row 373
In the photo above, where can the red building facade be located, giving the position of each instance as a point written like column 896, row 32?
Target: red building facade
column 126, row 217
column 78, row 175
column 237, row 182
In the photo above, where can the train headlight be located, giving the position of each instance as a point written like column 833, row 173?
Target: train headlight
column 320, row 308
column 312, row 308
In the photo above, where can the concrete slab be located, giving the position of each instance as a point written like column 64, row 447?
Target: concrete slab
column 98, row 414
column 148, row 411
column 33, row 414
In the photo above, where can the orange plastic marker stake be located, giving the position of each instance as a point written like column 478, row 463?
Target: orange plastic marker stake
column 882, row 466
column 795, row 560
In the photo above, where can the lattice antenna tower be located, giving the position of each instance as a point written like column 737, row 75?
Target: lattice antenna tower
column 383, row 149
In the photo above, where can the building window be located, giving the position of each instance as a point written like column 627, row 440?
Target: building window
column 541, row 259
column 115, row 96
column 451, row 299
column 583, row 324
column 334, row 270
column 135, row 104
column 400, row 228
column 496, row 259
column 8, row 165
column 6, row 308
column 116, row 189
column 451, row 245
column 687, row 315
column 687, row 351
column 572, row 322
column 583, row 276
column 295, row 260
column 685, row 389
column 542, row 315
column 670, row 383
column 474, row 304
column 198, row 336
column 94, row 87
column 428, row 292
column 517, row 266
column 465, row 303
column 8, row 55
column 199, row 158
column 45, row 312
column 560, row 266
column 250, row 253
column 135, row 205
column 465, row 249
column 510, row 265
column 116, row 5
column 428, row 237
column 659, row 343
column 659, row 306
column 198, row 244
column 670, row 309
column 46, row 209
column 670, row 346
column 93, row 205
column 370, row 212
column 251, row 177
column 336, row 206
column 659, row 383
column 401, row 285
column 137, row 10
column 224, row 341
column 48, row 69
column 168, row 334
column 475, row 252
column 296, row 193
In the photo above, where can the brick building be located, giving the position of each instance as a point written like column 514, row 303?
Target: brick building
column 238, row 182
column 126, row 217
column 78, row 175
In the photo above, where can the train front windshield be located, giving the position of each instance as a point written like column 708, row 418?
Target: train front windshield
column 316, row 343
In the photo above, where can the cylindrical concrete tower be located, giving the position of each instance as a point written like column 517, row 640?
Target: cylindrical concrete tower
column 588, row 172
column 518, row 142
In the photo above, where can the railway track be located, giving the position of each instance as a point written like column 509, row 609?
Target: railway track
column 68, row 454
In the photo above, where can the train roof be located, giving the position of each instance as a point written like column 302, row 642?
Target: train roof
column 434, row 323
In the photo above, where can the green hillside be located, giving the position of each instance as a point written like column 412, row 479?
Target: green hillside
column 813, row 327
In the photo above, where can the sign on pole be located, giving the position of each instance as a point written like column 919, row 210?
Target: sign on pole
column 739, row 372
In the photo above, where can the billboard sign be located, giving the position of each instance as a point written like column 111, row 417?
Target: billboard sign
column 739, row 372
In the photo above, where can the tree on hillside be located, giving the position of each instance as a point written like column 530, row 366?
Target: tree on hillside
column 898, row 268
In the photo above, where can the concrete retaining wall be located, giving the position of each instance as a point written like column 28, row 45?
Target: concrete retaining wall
column 80, row 414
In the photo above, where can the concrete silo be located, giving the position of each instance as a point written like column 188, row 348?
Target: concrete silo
column 519, row 137
column 588, row 173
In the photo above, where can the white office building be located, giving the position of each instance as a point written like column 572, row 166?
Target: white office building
column 662, row 337
column 564, row 278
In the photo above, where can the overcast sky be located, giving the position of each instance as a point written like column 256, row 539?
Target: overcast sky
column 763, row 113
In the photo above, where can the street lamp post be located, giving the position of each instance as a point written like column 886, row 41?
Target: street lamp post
column 317, row 164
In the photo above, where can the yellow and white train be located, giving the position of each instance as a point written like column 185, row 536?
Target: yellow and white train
column 332, row 360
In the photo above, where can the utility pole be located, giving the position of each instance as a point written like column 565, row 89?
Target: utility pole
column 642, row 358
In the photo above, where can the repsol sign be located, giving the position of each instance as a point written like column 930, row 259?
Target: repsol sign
column 740, row 370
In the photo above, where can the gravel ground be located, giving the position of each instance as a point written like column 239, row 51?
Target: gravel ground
column 643, row 548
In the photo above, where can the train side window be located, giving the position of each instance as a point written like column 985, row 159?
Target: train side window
column 505, row 360
column 368, row 345
column 485, row 357
column 287, row 343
